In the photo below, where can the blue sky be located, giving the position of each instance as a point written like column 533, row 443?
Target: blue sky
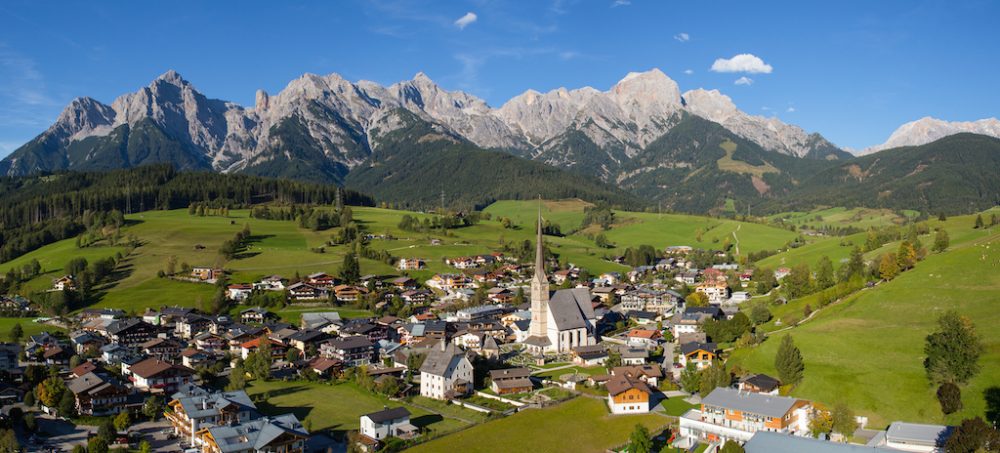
column 851, row 70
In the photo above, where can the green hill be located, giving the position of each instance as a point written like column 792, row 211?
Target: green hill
column 867, row 351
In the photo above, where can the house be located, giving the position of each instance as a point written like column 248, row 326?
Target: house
column 210, row 342
column 760, row 383
column 114, row 353
column 691, row 318
column 687, row 277
column 445, row 373
column 657, row 301
column 325, row 321
column 511, row 380
column 410, row 264
column 206, row 274
column 633, row 356
column 9, row 353
column 348, row 293
column 627, row 395
column 191, row 412
column 738, row 297
column 325, row 367
column 57, row 355
column 416, row 296
column 386, row 423
column 193, row 358
column 700, row 354
column 162, row 348
column 301, row 291
column 189, row 325
column 351, row 351
column 648, row 373
column 729, row 414
column 256, row 315
column 781, row 273
column 86, row 343
column 64, row 283
column 272, row 283
column 404, row 283
column 592, row 355
column 239, row 292
column 717, row 292
column 131, row 332
column 449, row 282
column 281, row 433
column 644, row 338
column 478, row 313
column 278, row 348
column 303, row 338
column 98, row 395
column 155, row 375
column 321, row 280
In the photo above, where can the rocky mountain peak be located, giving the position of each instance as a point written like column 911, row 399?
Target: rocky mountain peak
column 928, row 129
column 171, row 77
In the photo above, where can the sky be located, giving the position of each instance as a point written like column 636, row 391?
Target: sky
column 851, row 70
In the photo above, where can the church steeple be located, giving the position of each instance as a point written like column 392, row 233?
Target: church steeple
column 539, row 253
column 539, row 287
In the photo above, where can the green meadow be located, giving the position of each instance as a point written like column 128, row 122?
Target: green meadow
column 867, row 351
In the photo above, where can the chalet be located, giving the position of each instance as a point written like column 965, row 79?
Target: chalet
column 404, row 283
column 691, row 318
column 605, row 294
column 416, row 296
column 256, row 315
column 511, row 380
column 239, row 292
column 760, row 383
column 272, row 283
column 658, row 301
column 14, row 303
column 321, row 280
column 189, row 325
column 131, row 332
column 194, row 358
column 627, row 395
column 302, row 291
column 64, row 283
column 57, row 355
column 155, row 375
column 98, row 395
column 716, row 292
column 301, row 339
column 324, row 366
column 449, row 282
column 678, row 250
column 445, row 373
column 348, row 293
column 206, row 274
column 500, row 295
column 700, row 354
column 161, row 348
column 195, row 410
column 351, row 351
column 648, row 373
column 644, row 338
column 114, row 353
column 278, row 348
column 687, row 277
column 377, row 426
column 729, row 414
column 633, row 356
column 410, row 264
column 86, row 343
column 281, row 433
column 592, row 355
column 210, row 342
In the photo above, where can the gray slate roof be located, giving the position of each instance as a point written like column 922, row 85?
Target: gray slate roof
column 571, row 308
column 255, row 434
column 438, row 360
column 201, row 406
column 754, row 403
column 385, row 415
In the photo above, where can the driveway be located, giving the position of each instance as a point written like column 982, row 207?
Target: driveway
column 154, row 433
column 62, row 435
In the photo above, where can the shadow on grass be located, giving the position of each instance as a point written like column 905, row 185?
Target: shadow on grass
column 425, row 420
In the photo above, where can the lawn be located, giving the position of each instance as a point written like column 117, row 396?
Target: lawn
column 338, row 407
column 579, row 425
column 676, row 406
column 868, row 350
column 29, row 326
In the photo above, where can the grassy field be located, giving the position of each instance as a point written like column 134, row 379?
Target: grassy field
column 338, row 407
column 868, row 350
column 863, row 218
column 27, row 324
column 579, row 425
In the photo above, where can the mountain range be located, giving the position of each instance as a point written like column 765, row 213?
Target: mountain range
column 643, row 140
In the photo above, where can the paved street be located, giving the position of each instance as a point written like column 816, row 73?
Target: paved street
column 62, row 435
column 153, row 432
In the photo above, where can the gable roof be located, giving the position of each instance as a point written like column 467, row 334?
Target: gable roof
column 510, row 373
column 386, row 415
column 763, row 382
column 440, row 359
column 619, row 384
column 688, row 348
column 571, row 308
column 152, row 366
column 256, row 434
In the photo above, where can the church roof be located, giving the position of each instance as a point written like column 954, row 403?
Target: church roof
column 571, row 308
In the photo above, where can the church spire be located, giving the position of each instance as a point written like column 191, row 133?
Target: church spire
column 539, row 254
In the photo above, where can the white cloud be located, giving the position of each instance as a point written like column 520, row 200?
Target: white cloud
column 744, row 81
column 689, row 71
column 466, row 20
column 743, row 62
column 790, row 110
column 682, row 37
column 618, row 3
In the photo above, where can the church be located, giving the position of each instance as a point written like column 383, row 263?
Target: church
column 560, row 320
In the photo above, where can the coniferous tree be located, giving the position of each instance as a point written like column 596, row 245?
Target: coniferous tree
column 788, row 362
column 941, row 240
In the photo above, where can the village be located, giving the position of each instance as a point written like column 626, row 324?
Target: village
column 496, row 337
